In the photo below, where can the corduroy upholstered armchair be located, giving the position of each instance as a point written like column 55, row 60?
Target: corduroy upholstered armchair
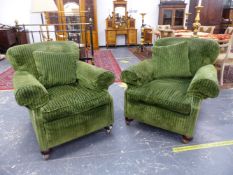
column 60, row 112
column 172, row 103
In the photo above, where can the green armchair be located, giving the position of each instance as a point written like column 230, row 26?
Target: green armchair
column 172, row 103
column 63, row 112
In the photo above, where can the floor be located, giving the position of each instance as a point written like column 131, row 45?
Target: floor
column 128, row 150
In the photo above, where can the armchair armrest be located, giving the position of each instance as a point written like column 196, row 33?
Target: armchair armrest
column 204, row 84
column 139, row 74
column 29, row 91
column 93, row 77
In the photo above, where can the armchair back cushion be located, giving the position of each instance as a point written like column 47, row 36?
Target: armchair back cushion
column 55, row 68
column 201, row 51
column 171, row 60
column 21, row 57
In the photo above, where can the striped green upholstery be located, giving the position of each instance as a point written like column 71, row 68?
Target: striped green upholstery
column 81, row 98
column 176, row 67
column 55, row 68
column 63, row 112
column 28, row 90
column 21, row 57
column 201, row 51
column 166, row 93
column 173, row 103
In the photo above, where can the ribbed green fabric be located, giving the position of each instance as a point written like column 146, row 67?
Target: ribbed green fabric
column 29, row 91
column 139, row 74
column 92, row 77
column 172, row 104
column 56, row 132
column 171, row 61
column 166, row 93
column 21, row 57
column 61, row 113
column 55, row 68
column 71, row 100
column 205, row 83
column 201, row 51
column 163, row 118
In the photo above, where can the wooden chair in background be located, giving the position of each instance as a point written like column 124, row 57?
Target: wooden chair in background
column 206, row 29
column 225, row 58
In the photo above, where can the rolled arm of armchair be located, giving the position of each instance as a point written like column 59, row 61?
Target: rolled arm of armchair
column 93, row 77
column 29, row 91
column 205, row 83
column 139, row 74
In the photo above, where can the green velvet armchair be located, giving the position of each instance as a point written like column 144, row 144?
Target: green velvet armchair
column 61, row 113
column 172, row 103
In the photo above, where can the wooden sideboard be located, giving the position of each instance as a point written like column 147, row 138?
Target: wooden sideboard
column 120, row 23
column 10, row 37
column 130, row 36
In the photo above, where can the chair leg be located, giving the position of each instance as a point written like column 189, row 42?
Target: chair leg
column 46, row 154
column 128, row 121
column 108, row 129
column 186, row 139
column 222, row 74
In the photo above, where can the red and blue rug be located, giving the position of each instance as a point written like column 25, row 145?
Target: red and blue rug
column 103, row 59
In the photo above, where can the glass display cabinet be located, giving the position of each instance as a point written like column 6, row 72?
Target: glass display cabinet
column 172, row 12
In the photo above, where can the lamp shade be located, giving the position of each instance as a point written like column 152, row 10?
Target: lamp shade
column 39, row 6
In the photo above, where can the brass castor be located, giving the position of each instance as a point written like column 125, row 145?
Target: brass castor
column 108, row 129
column 46, row 154
column 128, row 121
column 186, row 139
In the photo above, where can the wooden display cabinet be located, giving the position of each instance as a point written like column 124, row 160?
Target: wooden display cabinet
column 119, row 23
column 60, row 18
column 172, row 13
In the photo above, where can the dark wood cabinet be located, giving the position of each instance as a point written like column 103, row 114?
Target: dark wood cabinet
column 172, row 14
column 147, row 33
column 211, row 13
column 10, row 37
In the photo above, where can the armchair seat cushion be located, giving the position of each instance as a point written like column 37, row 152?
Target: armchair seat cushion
column 165, row 93
column 68, row 100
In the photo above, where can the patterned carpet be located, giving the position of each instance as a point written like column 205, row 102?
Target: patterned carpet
column 103, row 59
column 106, row 60
column 6, row 79
column 141, row 55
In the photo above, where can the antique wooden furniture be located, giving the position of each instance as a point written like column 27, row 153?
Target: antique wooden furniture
column 222, row 60
column 120, row 23
column 227, row 15
column 211, row 13
column 9, row 36
column 79, row 16
column 206, row 29
column 147, row 35
column 172, row 13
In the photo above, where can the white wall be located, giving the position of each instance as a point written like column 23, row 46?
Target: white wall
column 10, row 10
column 150, row 7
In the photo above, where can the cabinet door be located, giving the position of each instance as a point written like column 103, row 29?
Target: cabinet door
column 110, row 37
column 167, row 16
column 132, row 36
column 179, row 17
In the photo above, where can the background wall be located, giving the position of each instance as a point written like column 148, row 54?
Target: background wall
column 150, row 7
column 10, row 10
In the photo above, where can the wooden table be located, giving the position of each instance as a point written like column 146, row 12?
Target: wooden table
column 221, row 38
